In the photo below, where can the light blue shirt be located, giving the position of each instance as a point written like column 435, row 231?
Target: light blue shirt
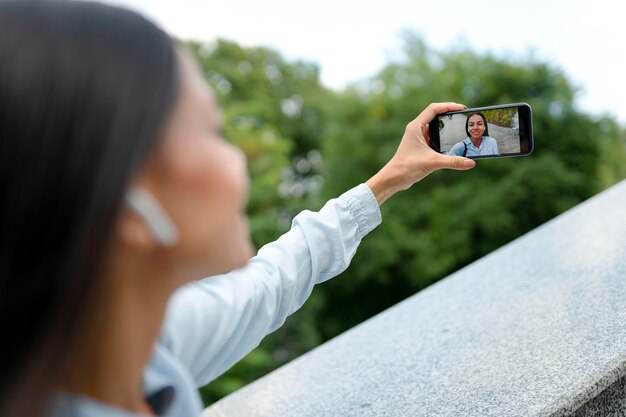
column 213, row 323
column 488, row 146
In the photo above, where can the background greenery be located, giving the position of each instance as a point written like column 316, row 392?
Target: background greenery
column 306, row 144
column 500, row 117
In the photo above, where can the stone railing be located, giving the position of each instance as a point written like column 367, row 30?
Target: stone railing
column 536, row 328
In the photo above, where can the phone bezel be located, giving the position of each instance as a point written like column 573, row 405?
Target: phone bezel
column 527, row 143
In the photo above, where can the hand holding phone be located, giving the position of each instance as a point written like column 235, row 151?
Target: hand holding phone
column 414, row 159
column 484, row 132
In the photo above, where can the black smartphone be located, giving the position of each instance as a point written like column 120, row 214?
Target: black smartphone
column 484, row 132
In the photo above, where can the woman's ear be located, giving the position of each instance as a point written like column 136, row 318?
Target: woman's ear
column 154, row 218
column 133, row 231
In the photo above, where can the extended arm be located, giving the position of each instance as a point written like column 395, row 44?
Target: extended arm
column 213, row 323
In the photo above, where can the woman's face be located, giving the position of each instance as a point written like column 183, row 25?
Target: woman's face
column 476, row 126
column 201, row 181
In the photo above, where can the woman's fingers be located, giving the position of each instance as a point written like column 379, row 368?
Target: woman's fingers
column 434, row 109
column 414, row 158
column 454, row 162
column 442, row 161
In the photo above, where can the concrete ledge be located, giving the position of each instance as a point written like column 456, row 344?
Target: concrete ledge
column 536, row 328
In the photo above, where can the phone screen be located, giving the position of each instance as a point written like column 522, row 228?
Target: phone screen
column 484, row 132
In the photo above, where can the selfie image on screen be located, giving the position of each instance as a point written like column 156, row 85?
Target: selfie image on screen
column 480, row 133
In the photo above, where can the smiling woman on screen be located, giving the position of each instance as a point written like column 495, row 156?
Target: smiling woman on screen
column 478, row 142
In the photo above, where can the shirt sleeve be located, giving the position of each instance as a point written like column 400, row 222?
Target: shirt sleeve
column 212, row 323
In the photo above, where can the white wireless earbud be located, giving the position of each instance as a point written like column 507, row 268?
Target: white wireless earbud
column 144, row 203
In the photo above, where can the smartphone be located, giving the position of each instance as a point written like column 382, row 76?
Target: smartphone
column 484, row 132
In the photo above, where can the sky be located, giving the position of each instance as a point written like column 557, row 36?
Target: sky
column 351, row 40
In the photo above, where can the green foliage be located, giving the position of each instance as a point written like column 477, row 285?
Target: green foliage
column 288, row 124
column 612, row 147
column 258, row 86
column 500, row 117
column 273, row 111
column 453, row 218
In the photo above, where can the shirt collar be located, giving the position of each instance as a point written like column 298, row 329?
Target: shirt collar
column 468, row 142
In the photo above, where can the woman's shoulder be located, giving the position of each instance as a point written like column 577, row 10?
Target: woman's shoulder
column 456, row 148
column 491, row 140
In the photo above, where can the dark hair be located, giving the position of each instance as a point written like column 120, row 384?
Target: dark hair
column 85, row 89
column 486, row 132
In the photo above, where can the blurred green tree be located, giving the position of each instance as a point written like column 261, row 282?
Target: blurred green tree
column 306, row 144
column 274, row 111
column 452, row 218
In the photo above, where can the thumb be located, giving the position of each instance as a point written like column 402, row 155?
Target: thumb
column 455, row 162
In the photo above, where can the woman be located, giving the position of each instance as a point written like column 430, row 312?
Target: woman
column 478, row 142
column 117, row 190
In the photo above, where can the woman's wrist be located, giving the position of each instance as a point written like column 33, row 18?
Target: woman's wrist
column 385, row 183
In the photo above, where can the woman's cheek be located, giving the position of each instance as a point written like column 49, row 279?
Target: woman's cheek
column 226, row 191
